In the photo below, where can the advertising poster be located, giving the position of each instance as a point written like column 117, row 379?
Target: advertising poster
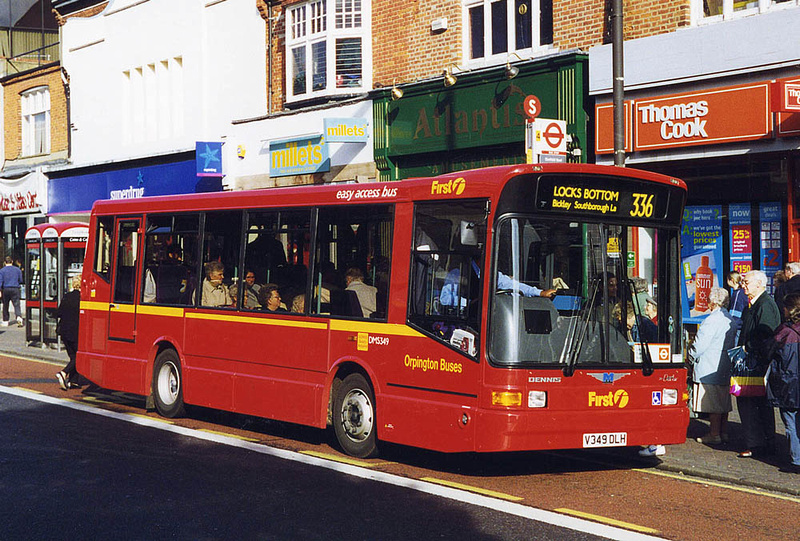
column 701, row 259
column 741, row 237
column 771, row 253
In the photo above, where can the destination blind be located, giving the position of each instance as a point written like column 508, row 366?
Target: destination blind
column 609, row 197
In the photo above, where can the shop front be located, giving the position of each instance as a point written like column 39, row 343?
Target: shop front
column 327, row 143
column 735, row 144
column 22, row 205
column 471, row 119
column 73, row 191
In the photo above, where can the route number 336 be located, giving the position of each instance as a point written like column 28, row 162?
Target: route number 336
column 642, row 205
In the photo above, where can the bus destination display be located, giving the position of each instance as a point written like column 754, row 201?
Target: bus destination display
column 581, row 195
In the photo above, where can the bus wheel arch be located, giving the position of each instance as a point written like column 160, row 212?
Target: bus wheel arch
column 167, row 385
column 352, row 412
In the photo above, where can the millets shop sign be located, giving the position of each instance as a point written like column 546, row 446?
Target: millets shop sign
column 721, row 115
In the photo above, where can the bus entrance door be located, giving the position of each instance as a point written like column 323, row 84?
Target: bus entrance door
column 122, row 310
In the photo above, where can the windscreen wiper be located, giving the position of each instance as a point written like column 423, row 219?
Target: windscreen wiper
column 574, row 341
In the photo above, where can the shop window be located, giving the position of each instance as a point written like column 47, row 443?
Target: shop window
column 352, row 261
column 447, row 272
column 36, row 121
column 499, row 27
column 326, row 47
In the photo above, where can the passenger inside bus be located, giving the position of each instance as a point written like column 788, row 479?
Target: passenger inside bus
column 250, row 292
column 637, row 327
column 215, row 293
column 299, row 304
column 366, row 295
column 270, row 298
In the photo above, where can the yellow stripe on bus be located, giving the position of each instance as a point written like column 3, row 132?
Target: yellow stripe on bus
column 161, row 311
column 374, row 328
column 258, row 320
column 94, row 305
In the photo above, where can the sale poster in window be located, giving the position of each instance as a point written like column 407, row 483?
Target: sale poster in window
column 701, row 259
column 771, row 240
column 740, row 237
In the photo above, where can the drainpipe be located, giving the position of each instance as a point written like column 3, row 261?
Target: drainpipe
column 65, row 82
column 619, row 83
column 269, row 57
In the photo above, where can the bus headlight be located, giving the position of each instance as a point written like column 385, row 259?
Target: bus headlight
column 506, row 398
column 537, row 399
column 670, row 397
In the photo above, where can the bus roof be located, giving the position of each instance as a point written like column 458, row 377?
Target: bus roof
column 474, row 183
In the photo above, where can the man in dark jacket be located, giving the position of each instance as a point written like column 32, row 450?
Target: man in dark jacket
column 792, row 285
column 68, row 317
column 10, row 282
column 783, row 386
column 759, row 322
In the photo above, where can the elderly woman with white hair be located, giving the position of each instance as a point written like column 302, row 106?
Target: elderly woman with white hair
column 712, row 366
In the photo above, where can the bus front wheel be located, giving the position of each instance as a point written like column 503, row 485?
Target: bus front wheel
column 168, row 384
column 354, row 417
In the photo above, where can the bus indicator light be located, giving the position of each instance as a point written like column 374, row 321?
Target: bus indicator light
column 506, row 398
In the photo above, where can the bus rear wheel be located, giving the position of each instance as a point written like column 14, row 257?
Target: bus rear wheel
column 168, row 384
column 354, row 417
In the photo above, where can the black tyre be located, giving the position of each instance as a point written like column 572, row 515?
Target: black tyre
column 354, row 417
column 168, row 384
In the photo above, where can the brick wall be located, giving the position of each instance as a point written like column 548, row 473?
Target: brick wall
column 582, row 24
column 13, row 89
column 403, row 46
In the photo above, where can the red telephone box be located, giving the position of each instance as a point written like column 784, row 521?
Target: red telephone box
column 53, row 255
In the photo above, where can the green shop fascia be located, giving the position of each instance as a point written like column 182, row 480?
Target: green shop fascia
column 480, row 120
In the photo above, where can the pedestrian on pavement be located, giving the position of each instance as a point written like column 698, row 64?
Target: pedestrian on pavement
column 791, row 285
column 10, row 282
column 783, row 383
column 738, row 300
column 68, row 314
column 759, row 322
column 712, row 367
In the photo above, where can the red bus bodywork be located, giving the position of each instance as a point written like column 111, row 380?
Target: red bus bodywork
column 427, row 394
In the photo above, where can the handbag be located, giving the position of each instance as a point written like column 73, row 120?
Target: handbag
column 747, row 377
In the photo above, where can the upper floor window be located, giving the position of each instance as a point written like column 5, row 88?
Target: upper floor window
column 496, row 28
column 713, row 10
column 326, row 48
column 36, row 121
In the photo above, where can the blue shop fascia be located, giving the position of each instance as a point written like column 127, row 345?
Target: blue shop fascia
column 73, row 190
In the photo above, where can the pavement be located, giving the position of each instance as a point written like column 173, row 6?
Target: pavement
column 717, row 463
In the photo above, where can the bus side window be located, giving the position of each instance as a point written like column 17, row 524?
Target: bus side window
column 352, row 261
column 102, row 249
column 276, row 252
column 222, row 237
column 170, row 242
column 447, row 271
